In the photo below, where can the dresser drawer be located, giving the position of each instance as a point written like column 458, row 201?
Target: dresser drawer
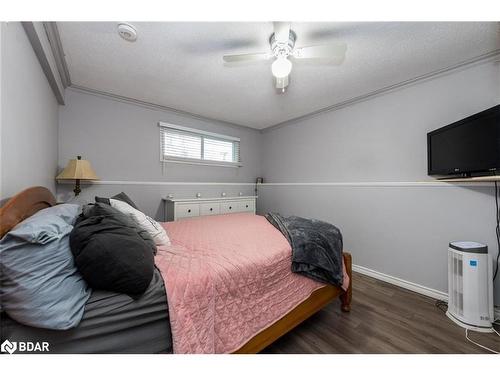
column 228, row 207
column 209, row 208
column 187, row 210
column 237, row 206
column 246, row 206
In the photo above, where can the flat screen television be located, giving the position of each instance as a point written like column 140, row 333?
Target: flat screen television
column 466, row 147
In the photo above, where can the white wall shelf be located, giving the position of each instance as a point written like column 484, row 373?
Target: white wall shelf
column 472, row 179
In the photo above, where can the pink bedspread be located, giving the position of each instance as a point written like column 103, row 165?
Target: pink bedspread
column 227, row 278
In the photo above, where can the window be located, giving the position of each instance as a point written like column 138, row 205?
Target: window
column 186, row 145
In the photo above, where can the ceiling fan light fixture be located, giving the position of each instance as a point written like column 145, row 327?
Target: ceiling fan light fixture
column 281, row 67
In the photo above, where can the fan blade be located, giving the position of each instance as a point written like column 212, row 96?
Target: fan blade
column 246, row 57
column 281, row 83
column 281, row 31
column 333, row 52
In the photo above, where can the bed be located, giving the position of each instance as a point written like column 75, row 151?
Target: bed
column 217, row 276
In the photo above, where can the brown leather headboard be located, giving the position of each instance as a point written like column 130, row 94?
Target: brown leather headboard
column 23, row 205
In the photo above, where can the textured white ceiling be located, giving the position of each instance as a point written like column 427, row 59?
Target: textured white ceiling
column 179, row 65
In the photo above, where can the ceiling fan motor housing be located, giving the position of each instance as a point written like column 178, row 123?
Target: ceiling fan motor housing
column 283, row 49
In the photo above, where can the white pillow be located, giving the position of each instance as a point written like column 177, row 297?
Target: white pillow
column 145, row 222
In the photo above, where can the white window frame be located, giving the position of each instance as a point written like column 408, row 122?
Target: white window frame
column 202, row 133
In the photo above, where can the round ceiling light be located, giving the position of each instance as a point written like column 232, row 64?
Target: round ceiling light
column 281, row 67
column 127, row 32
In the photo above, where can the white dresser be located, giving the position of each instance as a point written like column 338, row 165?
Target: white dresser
column 177, row 209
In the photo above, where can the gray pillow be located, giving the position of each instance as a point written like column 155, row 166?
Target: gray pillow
column 39, row 283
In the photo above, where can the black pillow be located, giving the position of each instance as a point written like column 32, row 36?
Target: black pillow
column 121, row 197
column 111, row 252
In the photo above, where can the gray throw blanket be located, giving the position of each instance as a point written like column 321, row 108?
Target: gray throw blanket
column 316, row 247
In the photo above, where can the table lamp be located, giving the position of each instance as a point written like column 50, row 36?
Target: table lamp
column 77, row 169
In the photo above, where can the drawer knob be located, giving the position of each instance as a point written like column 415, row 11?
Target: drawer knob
column 247, row 206
column 189, row 210
column 211, row 209
column 230, row 207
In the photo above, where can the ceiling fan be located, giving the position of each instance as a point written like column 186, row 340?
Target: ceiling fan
column 282, row 48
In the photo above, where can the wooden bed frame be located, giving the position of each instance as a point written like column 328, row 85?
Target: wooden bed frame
column 34, row 199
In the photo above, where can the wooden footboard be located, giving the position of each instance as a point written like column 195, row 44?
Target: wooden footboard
column 318, row 299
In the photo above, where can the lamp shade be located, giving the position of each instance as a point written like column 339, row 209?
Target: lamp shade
column 78, row 169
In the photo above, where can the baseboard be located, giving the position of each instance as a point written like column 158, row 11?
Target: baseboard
column 417, row 288
column 414, row 287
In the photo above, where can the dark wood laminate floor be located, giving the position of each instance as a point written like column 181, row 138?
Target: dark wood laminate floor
column 384, row 319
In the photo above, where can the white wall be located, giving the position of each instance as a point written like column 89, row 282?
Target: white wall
column 29, row 116
column 121, row 140
column 400, row 230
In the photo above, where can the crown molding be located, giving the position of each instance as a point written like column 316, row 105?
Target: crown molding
column 156, row 107
column 481, row 59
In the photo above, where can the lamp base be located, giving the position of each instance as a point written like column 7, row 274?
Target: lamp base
column 77, row 189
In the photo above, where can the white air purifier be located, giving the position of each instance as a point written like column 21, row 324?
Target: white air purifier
column 470, row 286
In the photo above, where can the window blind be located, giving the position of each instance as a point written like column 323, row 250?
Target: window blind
column 182, row 144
